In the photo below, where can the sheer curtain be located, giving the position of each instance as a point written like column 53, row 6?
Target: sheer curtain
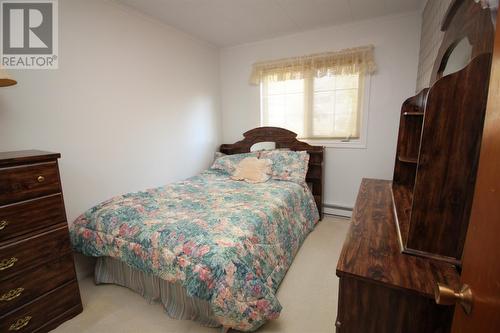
column 317, row 96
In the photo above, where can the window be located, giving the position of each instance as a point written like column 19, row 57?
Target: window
column 325, row 108
column 320, row 96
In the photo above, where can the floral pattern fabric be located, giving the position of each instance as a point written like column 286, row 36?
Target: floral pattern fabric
column 287, row 164
column 227, row 242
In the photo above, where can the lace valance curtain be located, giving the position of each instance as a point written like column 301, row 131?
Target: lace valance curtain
column 358, row 60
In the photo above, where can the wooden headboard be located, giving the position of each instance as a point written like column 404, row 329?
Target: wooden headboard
column 285, row 139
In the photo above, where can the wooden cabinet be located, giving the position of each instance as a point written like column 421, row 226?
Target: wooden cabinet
column 38, row 287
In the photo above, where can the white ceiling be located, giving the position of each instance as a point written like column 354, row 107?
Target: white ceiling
column 231, row 22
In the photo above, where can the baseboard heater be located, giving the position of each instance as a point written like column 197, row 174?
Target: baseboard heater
column 338, row 210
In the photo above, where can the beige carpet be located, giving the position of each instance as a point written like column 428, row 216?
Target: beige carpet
column 308, row 295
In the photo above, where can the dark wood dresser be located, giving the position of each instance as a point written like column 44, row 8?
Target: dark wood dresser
column 381, row 288
column 403, row 253
column 38, row 286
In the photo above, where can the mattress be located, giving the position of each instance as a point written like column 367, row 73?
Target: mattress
column 226, row 242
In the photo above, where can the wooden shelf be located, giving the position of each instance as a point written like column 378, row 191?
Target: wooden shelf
column 409, row 114
column 430, row 226
column 406, row 159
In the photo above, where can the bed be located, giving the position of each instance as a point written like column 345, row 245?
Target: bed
column 209, row 248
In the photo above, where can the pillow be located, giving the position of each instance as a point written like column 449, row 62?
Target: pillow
column 218, row 154
column 288, row 165
column 228, row 163
column 253, row 170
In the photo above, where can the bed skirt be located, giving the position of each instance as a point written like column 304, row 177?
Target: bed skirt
column 177, row 303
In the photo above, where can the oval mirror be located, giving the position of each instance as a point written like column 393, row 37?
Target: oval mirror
column 459, row 57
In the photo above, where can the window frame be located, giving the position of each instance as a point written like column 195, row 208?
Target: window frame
column 354, row 143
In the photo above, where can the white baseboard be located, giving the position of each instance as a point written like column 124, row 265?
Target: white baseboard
column 337, row 210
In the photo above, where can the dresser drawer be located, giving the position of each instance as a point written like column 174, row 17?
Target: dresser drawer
column 22, row 218
column 27, row 182
column 31, row 317
column 27, row 286
column 35, row 250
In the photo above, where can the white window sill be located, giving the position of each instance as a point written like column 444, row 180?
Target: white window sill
column 338, row 144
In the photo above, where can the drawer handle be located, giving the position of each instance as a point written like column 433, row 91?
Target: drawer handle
column 40, row 179
column 7, row 263
column 3, row 224
column 20, row 323
column 11, row 294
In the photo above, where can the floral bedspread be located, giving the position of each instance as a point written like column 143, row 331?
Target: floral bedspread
column 227, row 242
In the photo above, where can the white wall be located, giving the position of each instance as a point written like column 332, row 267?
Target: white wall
column 396, row 40
column 134, row 104
column 431, row 38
